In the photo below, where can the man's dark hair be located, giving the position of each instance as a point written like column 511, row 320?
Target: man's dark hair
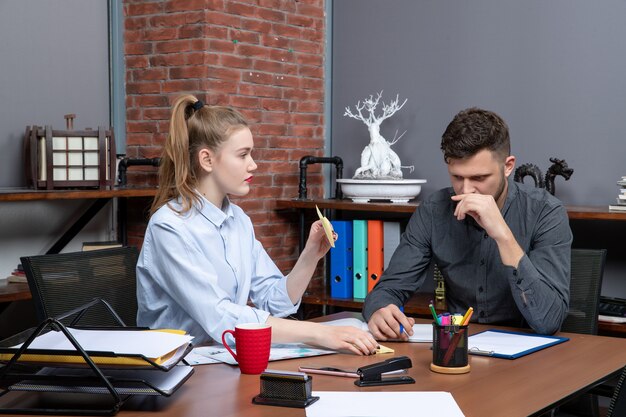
column 473, row 130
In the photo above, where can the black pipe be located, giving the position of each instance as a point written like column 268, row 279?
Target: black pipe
column 127, row 162
column 305, row 161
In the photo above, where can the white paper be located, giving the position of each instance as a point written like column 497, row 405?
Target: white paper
column 381, row 404
column 505, row 343
column 151, row 344
column 422, row 333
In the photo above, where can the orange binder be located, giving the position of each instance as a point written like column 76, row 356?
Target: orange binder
column 375, row 254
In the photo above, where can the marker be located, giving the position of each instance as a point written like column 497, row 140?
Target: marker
column 445, row 319
column 467, row 316
column 434, row 313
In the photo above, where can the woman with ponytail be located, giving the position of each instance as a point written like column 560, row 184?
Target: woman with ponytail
column 200, row 262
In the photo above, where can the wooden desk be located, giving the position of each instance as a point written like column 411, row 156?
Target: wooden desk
column 520, row 387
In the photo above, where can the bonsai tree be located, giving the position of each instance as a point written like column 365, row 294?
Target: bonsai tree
column 378, row 160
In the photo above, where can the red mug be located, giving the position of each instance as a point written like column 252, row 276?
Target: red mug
column 252, row 345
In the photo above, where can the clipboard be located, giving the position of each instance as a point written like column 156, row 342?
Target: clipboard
column 509, row 344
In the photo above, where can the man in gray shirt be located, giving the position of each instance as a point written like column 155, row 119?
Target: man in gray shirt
column 502, row 247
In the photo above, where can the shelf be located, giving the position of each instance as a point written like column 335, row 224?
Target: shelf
column 573, row 212
column 25, row 194
column 13, row 291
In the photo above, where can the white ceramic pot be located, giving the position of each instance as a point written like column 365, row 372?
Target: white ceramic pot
column 398, row 191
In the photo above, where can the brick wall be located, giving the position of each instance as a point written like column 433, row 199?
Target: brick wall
column 263, row 57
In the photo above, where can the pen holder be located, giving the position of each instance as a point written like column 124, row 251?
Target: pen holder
column 450, row 355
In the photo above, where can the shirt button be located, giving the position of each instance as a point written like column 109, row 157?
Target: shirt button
column 519, row 281
column 482, row 314
column 485, row 236
column 482, row 262
column 480, row 289
column 515, row 272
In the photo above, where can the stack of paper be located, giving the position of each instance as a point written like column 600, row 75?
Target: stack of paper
column 109, row 347
column 621, row 197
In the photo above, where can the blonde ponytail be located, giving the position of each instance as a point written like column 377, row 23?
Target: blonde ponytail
column 193, row 126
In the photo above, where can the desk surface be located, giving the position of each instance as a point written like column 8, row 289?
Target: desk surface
column 522, row 387
column 24, row 194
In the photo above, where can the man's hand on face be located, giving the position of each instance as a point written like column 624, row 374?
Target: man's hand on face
column 484, row 210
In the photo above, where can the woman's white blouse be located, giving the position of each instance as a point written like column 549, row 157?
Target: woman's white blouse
column 197, row 272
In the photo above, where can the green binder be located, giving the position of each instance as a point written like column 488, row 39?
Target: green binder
column 359, row 244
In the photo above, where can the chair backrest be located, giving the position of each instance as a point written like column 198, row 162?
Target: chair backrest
column 586, row 282
column 617, row 407
column 62, row 282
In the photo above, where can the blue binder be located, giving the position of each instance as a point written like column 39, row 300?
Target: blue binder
column 341, row 260
column 359, row 232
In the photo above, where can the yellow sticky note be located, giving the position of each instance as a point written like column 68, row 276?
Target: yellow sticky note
column 383, row 349
column 328, row 228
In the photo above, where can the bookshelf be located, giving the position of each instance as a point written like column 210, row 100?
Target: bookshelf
column 417, row 305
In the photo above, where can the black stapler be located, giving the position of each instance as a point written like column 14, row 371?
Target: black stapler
column 371, row 375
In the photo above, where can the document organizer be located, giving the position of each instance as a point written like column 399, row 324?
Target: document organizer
column 117, row 381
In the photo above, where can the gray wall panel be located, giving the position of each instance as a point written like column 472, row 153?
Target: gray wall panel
column 554, row 70
column 54, row 60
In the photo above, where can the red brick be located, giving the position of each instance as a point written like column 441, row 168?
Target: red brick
column 275, row 41
column 222, row 46
column 139, row 48
column 180, row 86
column 198, row 71
column 224, row 73
column 307, row 59
column 151, row 101
column 304, row 21
column 310, row 107
column 223, row 19
column 306, row 119
column 310, row 143
column 260, row 90
column 138, row 139
column 131, row 23
column 219, row 86
column 199, row 44
column 312, row 83
column 256, row 25
column 272, row 15
column 143, row 8
column 191, row 31
column 274, row 105
column 307, row 46
column 137, row 61
column 156, row 114
column 241, row 9
column 276, row 117
column 283, row 142
column 287, row 81
column 257, row 77
column 177, row 19
column 310, row 10
column 149, row 74
column 282, row 180
column 274, row 130
column 308, row 71
column 140, row 127
column 167, row 60
column 244, row 102
column 160, row 34
column 235, row 61
column 242, row 36
column 184, row 5
column 294, row 32
column 143, row 88
column 268, row 66
column 173, row 46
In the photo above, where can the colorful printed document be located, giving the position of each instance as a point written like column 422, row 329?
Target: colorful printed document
column 205, row 355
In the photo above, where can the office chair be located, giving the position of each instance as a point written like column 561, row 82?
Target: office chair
column 587, row 269
column 60, row 283
column 618, row 401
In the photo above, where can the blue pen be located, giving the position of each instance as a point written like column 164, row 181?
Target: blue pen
column 401, row 326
